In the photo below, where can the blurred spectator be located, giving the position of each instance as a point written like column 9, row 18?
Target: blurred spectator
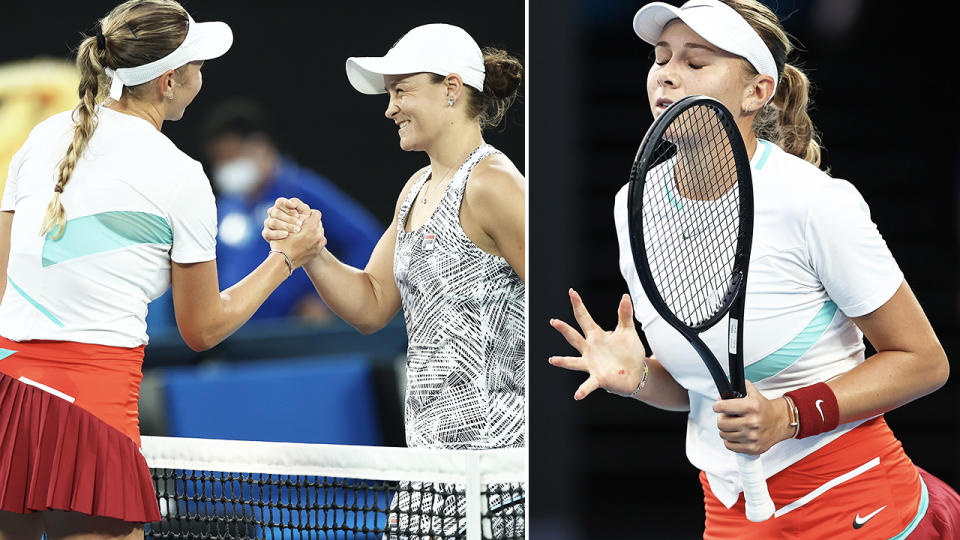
column 31, row 91
column 249, row 172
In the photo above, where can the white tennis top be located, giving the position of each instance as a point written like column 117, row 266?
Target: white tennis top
column 134, row 203
column 817, row 260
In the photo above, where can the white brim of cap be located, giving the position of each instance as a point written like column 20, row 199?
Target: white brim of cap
column 213, row 40
column 649, row 21
column 366, row 72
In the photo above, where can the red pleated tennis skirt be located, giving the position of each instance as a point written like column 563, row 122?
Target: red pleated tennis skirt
column 861, row 485
column 69, row 434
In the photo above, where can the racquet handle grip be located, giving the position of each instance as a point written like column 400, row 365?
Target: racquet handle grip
column 758, row 502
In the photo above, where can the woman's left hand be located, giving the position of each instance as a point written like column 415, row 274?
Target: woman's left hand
column 752, row 424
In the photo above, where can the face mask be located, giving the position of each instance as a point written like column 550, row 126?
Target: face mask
column 236, row 177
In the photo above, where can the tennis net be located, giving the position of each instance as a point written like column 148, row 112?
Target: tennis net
column 216, row 489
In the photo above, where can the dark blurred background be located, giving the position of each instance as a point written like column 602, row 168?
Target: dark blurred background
column 609, row 468
column 277, row 378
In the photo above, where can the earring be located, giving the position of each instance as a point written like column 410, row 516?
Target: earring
column 450, row 102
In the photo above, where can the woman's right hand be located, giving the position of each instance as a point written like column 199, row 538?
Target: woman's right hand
column 614, row 360
column 305, row 243
column 285, row 217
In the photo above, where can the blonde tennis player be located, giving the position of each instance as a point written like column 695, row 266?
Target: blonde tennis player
column 101, row 212
column 821, row 278
column 453, row 255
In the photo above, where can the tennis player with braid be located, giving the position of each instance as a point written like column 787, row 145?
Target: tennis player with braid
column 101, row 212
column 453, row 255
column 820, row 279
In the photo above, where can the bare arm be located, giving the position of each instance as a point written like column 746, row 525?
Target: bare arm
column 367, row 299
column 6, row 225
column 206, row 316
column 614, row 360
column 910, row 363
column 495, row 199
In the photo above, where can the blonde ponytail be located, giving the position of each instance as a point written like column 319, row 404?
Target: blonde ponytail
column 85, row 121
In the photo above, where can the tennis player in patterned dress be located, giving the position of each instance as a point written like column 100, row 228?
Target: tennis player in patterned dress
column 100, row 213
column 453, row 256
column 821, row 277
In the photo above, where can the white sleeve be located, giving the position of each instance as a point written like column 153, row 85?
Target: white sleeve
column 847, row 252
column 193, row 219
column 9, row 201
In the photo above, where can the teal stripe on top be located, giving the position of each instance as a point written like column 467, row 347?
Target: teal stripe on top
column 785, row 356
column 105, row 232
column 767, row 147
column 5, row 353
column 35, row 304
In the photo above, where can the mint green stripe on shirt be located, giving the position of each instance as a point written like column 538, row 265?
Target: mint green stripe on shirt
column 35, row 304
column 785, row 356
column 767, row 147
column 103, row 232
column 5, row 353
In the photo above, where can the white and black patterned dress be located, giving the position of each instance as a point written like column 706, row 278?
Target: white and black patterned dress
column 464, row 310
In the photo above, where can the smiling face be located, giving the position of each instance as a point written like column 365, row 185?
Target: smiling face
column 416, row 106
column 685, row 64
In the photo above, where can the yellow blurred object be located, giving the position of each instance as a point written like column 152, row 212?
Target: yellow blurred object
column 31, row 91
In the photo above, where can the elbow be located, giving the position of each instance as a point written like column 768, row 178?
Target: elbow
column 942, row 370
column 199, row 341
column 367, row 328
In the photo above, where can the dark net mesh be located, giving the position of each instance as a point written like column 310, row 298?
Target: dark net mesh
column 691, row 216
column 222, row 505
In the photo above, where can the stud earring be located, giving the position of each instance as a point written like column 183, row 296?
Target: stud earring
column 450, row 102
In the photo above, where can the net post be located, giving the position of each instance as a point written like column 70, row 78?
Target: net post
column 473, row 496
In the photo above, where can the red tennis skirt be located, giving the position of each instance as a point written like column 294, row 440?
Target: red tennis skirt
column 861, row 485
column 69, row 434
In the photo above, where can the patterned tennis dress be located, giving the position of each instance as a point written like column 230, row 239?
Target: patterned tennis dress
column 465, row 315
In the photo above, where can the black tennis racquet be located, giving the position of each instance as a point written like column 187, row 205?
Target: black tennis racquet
column 691, row 225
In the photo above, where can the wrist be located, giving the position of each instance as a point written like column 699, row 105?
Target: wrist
column 791, row 420
column 817, row 409
column 281, row 255
column 644, row 375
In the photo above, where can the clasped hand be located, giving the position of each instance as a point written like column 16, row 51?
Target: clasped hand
column 294, row 228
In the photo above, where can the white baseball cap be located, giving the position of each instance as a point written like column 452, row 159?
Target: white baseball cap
column 715, row 22
column 204, row 41
column 432, row 48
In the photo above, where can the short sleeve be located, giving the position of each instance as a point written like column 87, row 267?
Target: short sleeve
column 193, row 219
column 847, row 252
column 9, row 201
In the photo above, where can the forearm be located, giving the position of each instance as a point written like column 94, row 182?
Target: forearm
column 888, row 380
column 353, row 294
column 661, row 390
column 235, row 305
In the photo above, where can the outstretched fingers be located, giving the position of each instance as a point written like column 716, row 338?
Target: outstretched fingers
column 580, row 313
column 573, row 337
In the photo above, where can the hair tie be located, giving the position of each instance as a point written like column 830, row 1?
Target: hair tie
column 101, row 40
column 58, row 188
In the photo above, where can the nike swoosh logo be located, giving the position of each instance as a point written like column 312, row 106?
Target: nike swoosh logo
column 818, row 402
column 861, row 521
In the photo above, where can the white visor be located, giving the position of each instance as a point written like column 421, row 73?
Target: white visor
column 432, row 48
column 204, row 41
column 714, row 21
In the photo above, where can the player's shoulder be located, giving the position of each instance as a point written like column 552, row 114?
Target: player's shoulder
column 56, row 126
column 494, row 177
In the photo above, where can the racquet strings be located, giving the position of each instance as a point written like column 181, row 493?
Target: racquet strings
column 691, row 216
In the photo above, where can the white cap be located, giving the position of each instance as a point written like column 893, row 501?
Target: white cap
column 203, row 42
column 715, row 22
column 432, row 48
